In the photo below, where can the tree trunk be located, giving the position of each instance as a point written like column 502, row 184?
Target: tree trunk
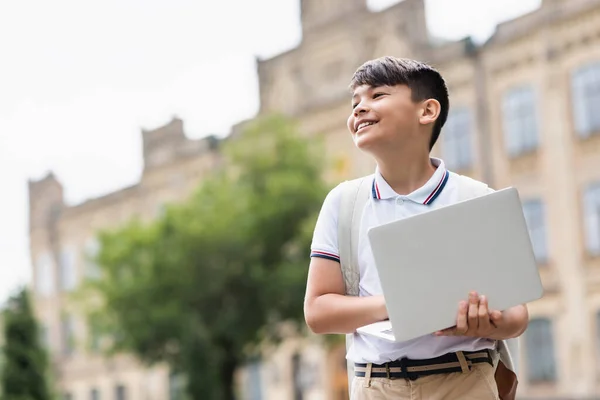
column 203, row 381
column 228, row 368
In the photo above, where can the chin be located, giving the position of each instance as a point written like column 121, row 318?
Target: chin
column 364, row 142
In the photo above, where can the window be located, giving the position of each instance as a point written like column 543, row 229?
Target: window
column 68, row 277
column 44, row 275
column 92, row 270
column 534, row 215
column 297, row 378
column 585, row 82
column 591, row 209
column 456, row 138
column 520, row 120
column 176, row 386
column 67, row 330
column 539, row 343
column 120, row 393
column 304, row 377
column 94, row 394
column 254, row 383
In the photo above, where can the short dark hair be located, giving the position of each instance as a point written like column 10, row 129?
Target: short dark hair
column 423, row 80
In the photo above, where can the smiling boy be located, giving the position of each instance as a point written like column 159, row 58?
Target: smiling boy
column 398, row 109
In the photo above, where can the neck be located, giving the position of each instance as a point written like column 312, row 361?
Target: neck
column 405, row 171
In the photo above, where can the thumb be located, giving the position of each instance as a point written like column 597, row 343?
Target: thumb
column 496, row 316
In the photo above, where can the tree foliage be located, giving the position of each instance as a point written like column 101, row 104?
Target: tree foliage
column 214, row 277
column 25, row 363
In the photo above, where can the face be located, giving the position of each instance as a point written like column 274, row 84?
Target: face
column 384, row 116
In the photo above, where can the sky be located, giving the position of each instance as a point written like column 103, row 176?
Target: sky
column 79, row 80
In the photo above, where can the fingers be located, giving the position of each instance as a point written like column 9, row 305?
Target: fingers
column 461, row 319
column 483, row 315
column 446, row 332
column 496, row 318
column 473, row 316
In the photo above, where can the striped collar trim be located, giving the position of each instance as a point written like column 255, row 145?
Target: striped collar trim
column 436, row 192
column 424, row 195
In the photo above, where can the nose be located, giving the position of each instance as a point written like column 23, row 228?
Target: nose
column 361, row 108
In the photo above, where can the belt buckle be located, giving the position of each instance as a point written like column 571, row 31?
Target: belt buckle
column 387, row 371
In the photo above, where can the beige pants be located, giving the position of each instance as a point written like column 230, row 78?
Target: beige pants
column 478, row 384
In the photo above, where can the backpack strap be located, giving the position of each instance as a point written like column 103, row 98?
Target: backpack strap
column 355, row 194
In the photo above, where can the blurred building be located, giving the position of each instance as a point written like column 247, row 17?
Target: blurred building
column 525, row 112
column 63, row 239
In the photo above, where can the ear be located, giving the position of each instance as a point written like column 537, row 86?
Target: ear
column 429, row 111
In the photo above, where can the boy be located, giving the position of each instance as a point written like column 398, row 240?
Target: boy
column 398, row 109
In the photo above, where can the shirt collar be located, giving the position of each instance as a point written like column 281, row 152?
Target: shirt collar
column 426, row 194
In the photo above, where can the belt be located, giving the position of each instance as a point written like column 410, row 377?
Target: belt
column 413, row 369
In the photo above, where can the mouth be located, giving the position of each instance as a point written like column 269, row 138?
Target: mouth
column 363, row 125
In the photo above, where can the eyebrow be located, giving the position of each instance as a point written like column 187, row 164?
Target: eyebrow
column 366, row 90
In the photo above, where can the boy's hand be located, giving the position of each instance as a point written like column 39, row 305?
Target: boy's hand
column 475, row 319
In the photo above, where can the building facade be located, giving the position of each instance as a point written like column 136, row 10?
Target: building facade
column 525, row 112
column 62, row 239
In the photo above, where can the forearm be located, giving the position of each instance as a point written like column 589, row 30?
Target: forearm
column 515, row 322
column 335, row 313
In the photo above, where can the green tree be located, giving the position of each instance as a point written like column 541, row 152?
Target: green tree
column 25, row 362
column 203, row 286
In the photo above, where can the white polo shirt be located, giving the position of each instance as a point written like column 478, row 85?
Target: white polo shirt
column 385, row 206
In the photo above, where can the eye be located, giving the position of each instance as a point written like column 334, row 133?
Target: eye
column 379, row 94
column 354, row 105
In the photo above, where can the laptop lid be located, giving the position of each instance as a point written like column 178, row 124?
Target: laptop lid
column 429, row 262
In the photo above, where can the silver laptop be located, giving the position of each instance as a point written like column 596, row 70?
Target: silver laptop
column 429, row 262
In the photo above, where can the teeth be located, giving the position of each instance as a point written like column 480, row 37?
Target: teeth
column 363, row 124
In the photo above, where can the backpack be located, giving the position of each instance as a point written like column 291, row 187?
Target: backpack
column 355, row 194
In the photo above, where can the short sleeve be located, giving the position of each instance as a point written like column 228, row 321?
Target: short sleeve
column 325, row 236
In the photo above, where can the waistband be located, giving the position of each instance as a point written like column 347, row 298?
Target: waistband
column 461, row 361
